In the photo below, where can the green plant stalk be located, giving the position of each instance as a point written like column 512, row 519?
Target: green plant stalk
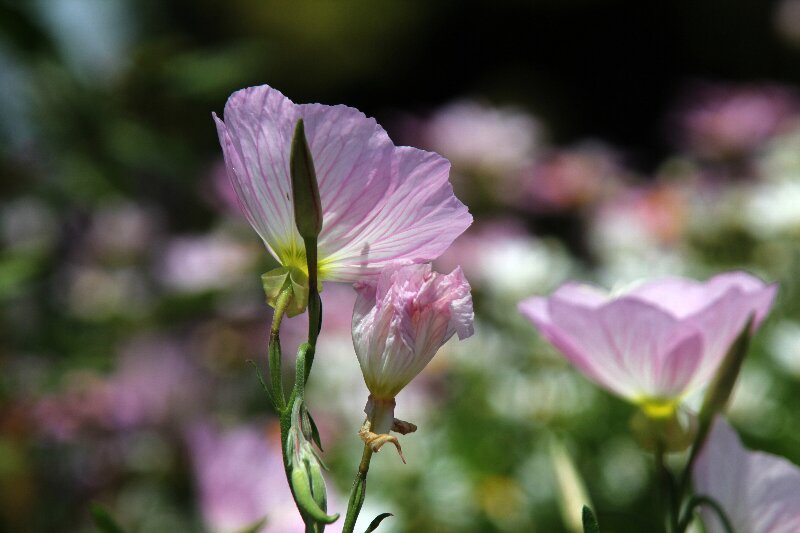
column 275, row 347
column 667, row 495
column 314, row 302
column 699, row 500
column 358, row 492
column 298, row 392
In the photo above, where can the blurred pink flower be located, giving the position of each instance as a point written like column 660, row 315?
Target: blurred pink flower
column 568, row 179
column 655, row 342
column 759, row 492
column 731, row 121
column 402, row 319
column 240, row 480
column 155, row 383
column 205, row 262
column 380, row 203
column 477, row 136
column 657, row 214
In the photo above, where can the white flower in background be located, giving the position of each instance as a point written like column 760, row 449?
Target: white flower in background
column 784, row 346
column 502, row 258
column 773, row 209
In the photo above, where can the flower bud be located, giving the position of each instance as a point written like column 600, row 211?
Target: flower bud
column 402, row 319
column 305, row 191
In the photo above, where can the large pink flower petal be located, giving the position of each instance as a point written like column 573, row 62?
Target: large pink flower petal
column 416, row 220
column 380, row 203
column 630, row 347
column 759, row 492
column 658, row 340
column 722, row 322
column 683, row 297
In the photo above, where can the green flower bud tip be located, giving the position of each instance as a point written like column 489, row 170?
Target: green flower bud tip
column 305, row 191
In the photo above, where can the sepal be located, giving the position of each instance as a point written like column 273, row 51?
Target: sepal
column 274, row 282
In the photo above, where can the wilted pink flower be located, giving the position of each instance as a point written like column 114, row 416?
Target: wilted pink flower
column 655, row 342
column 759, row 492
column 380, row 203
column 402, row 319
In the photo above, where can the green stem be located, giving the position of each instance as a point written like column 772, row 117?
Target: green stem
column 699, row 500
column 686, row 475
column 668, row 498
column 314, row 302
column 298, row 392
column 281, row 304
column 358, row 492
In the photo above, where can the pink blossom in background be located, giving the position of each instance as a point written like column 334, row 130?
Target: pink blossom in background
column 759, row 492
column 202, row 263
column 240, row 480
column 719, row 121
column 481, row 137
column 657, row 214
column 154, row 383
column 657, row 341
column 123, row 229
column 402, row 319
column 568, row 179
column 380, row 203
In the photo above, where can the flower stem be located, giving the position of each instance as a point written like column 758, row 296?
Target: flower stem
column 699, row 500
column 358, row 492
column 314, row 302
column 667, row 495
column 275, row 347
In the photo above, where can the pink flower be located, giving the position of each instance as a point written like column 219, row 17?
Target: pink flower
column 402, row 319
column 380, row 203
column 656, row 342
column 722, row 121
column 759, row 492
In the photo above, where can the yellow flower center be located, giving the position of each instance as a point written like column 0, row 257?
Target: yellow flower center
column 293, row 255
column 659, row 408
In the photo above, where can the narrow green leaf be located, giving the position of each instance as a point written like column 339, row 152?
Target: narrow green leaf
column 261, row 380
column 590, row 524
column 377, row 521
column 103, row 520
column 314, row 431
column 305, row 191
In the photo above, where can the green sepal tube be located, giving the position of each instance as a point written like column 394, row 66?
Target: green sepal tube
column 672, row 433
column 305, row 191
